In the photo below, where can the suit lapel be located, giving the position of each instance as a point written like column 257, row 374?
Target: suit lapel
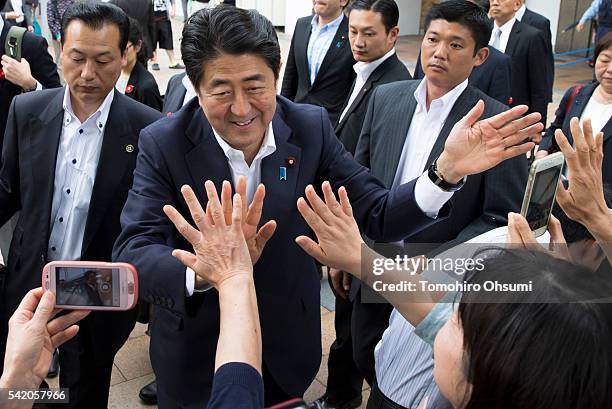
column 118, row 149
column 514, row 39
column 579, row 105
column 43, row 143
column 334, row 48
column 462, row 106
column 399, row 119
column 278, row 190
column 302, row 52
column 206, row 161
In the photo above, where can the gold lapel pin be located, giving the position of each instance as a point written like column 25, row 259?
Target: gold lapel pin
column 129, row 148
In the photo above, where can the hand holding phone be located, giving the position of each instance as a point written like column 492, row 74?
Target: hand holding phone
column 541, row 190
column 91, row 285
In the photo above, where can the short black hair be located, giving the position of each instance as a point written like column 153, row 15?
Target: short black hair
column 224, row 29
column 135, row 35
column 466, row 13
column 387, row 8
column 96, row 16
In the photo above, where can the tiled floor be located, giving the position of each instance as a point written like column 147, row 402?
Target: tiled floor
column 132, row 368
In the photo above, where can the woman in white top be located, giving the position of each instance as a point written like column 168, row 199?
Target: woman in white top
column 593, row 101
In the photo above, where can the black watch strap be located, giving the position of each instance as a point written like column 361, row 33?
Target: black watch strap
column 438, row 180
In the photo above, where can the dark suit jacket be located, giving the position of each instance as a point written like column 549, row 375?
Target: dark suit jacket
column 26, row 183
column 142, row 11
column 175, row 94
column 562, row 121
column 145, row 89
column 335, row 78
column 181, row 149
column 543, row 24
column 484, row 201
column 34, row 50
column 493, row 77
column 349, row 128
column 526, row 46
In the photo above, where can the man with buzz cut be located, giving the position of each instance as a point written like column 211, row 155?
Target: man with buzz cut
column 373, row 32
column 406, row 126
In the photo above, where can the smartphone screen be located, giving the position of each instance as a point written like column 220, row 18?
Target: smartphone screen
column 79, row 286
column 542, row 197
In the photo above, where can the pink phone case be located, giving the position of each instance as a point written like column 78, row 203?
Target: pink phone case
column 95, row 265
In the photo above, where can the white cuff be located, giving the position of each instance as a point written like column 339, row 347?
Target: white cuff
column 38, row 86
column 190, row 283
column 429, row 197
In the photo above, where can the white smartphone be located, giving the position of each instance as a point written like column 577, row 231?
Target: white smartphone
column 541, row 191
column 91, row 285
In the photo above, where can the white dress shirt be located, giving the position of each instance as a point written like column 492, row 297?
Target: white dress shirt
column 364, row 70
column 505, row 34
column 191, row 92
column 422, row 135
column 75, row 174
column 521, row 12
column 239, row 167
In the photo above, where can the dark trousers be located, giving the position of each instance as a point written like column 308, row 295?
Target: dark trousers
column 88, row 380
column 344, row 380
column 379, row 401
column 359, row 326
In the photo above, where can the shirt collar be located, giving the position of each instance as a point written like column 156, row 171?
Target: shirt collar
column 446, row 101
column 101, row 114
column 188, row 85
column 521, row 12
column 331, row 25
column 365, row 69
column 267, row 146
column 507, row 28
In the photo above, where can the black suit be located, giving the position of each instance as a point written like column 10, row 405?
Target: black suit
column 349, row 128
column 335, row 78
column 543, row 24
column 27, row 183
column 526, row 46
column 143, row 87
column 34, row 50
column 493, row 77
column 481, row 205
column 175, row 94
column 141, row 11
column 344, row 379
column 565, row 112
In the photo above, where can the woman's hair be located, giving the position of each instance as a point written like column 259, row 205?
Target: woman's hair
column 135, row 33
column 603, row 44
column 550, row 348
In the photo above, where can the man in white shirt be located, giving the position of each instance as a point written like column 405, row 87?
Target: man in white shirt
column 235, row 73
column 406, row 127
column 373, row 32
column 67, row 164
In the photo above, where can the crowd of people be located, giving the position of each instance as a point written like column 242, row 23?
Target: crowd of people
column 231, row 200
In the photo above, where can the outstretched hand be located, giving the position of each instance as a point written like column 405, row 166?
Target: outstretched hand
column 475, row 146
column 220, row 249
column 339, row 242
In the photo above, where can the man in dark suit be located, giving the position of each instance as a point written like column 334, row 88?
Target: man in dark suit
column 35, row 71
column 238, row 126
column 373, row 32
column 141, row 11
column 319, row 67
column 536, row 20
column 527, row 48
column 178, row 92
column 406, row 126
column 67, row 165
column 493, row 77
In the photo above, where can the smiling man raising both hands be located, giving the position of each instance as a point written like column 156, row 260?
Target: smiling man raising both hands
column 238, row 126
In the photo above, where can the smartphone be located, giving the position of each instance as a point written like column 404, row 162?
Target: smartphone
column 541, row 191
column 91, row 285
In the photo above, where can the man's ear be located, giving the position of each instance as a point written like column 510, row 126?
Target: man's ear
column 481, row 56
column 393, row 34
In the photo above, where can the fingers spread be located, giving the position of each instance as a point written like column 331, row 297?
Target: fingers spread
column 474, row 115
column 266, row 232
column 345, row 202
column 215, row 206
column 318, row 205
column 188, row 259
column 500, row 120
column 197, row 213
column 226, row 201
column 312, row 219
column 253, row 216
column 330, row 199
column 311, row 248
column 184, row 228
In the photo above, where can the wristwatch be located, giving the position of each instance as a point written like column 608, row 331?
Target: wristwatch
column 436, row 177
